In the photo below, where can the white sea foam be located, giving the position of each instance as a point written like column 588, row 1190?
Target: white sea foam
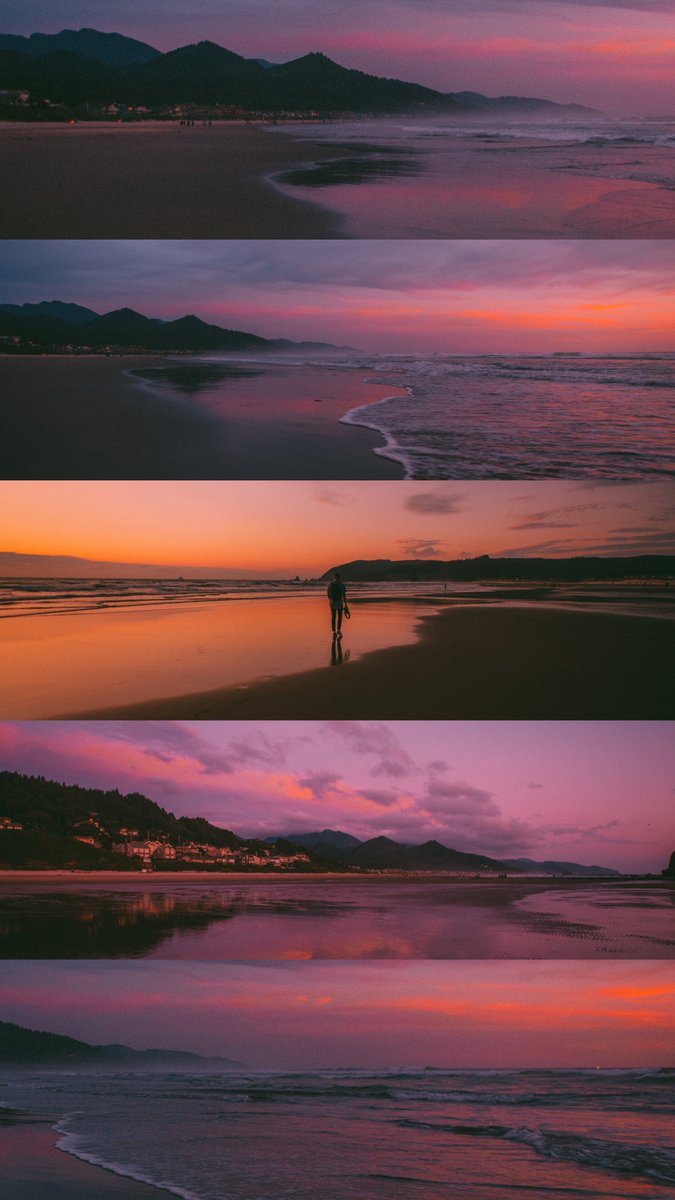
column 502, row 417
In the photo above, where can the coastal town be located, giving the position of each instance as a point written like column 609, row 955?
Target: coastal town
column 151, row 851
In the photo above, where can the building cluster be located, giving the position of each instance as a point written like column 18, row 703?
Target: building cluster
column 19, row 103
column 152, row 851
column 155, row 850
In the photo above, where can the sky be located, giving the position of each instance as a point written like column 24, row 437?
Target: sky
column 589, row 792
column 258, row 529
column 616, row 55
column 379, row 296
column 423, row 1013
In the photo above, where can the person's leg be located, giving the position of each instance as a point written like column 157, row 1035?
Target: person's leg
column 333, row 616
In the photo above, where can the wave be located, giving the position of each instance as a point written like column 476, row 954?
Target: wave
column 652, row 1163
column 649, row 1162
column 69, row 1143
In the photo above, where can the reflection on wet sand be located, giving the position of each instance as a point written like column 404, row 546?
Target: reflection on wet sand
column 328, row 917
column 193, row 378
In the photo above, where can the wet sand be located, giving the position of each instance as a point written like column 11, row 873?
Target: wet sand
column 151, row 180
column 87, row 417
column 483, row 663
column 33, row 1169
column 465, row 187
column 117, row 653
column 380, row 915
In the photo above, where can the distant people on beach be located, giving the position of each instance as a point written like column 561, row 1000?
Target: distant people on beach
column 337, row 598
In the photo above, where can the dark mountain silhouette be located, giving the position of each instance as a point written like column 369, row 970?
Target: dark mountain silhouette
column 327, row 837
column 73, row 314
column 517, row 105
column 45, row 806
column 110, row 48
column 315, row 81
column 334, row 841
column 553, row 867
column 384, row 854
column 32, row 1048
column 84, row 67
column 669, row 871
column 561, row 570
column 49, row 324
column 61, row 77
column 203, row 73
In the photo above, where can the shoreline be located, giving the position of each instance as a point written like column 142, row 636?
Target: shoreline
column 468, row 876
column 470, row 662
column 97, row 417
column 108, row 180
column 34, row 1166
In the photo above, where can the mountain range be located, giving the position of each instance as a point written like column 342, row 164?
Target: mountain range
column 56, row 324
column 382, row 852
column 32, row 1048
column 80, row 67
column 561, row 570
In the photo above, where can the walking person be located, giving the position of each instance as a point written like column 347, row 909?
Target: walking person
column 337, row 598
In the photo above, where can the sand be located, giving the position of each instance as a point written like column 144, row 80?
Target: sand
column 33, row 1169
column 158, row 180
column 483, row 663
column 86, row 417
column 151, row 180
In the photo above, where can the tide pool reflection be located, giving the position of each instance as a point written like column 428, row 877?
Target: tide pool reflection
column 295, row 918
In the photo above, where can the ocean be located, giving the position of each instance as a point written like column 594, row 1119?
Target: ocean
column 527, row 417
column 488, row 416
column 370, row 1135
column 408, row 177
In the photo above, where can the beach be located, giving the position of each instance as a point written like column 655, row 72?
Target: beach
column 153, row 179
column 153, row 417
column 393, row 177
column 34, row 1169
column 479, row 662
column 204, row 916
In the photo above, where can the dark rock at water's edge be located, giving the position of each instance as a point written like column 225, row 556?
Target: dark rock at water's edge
column 669, row 872
column 35, row 1049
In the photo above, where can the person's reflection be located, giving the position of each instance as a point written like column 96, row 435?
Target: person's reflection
column 337, row 654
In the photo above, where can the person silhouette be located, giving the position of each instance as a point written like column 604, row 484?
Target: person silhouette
column 337, row 598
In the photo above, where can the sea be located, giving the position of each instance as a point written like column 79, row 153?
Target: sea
column 356, row 1134
column 501, row 416
column 527, row 417
column 493, row 176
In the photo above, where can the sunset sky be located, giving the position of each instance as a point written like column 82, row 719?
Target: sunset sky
column 468, row 1014
column 595, row 792
column 270, row 528
column 614, row 54
column 379, row 296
